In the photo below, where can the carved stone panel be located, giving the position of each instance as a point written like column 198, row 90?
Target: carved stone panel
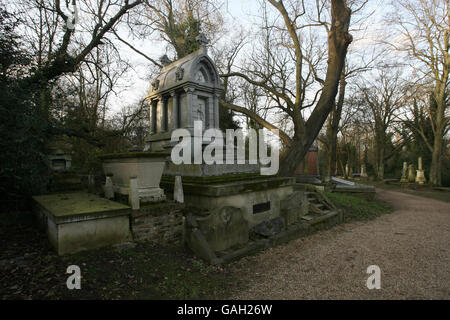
column 224, row 228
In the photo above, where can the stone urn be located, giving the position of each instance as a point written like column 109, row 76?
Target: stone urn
column 145, row 167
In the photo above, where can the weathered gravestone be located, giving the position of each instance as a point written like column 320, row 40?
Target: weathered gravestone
column 363, row 171
column 411, row 173
column 404, row 177
column 420, row 178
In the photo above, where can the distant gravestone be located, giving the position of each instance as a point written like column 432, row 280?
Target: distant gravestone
column 411, row 173
column 109, row 191
column 363, row 171
column 404, row 177
column 420, row 178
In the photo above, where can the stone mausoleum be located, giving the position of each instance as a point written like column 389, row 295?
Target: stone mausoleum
column 228, row 209
column 230, row 201
column 187, row 90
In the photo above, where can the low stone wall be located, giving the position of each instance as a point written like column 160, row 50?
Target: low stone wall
column 161, row 223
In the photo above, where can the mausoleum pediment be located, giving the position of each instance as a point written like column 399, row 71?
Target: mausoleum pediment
column 196, row 68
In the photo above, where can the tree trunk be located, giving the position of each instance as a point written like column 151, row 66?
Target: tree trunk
column 333, row 127
column 332, row 148
column 440, row 125
column 380, row 140
column 338, row 41
column 436, row 161
column 380, row 169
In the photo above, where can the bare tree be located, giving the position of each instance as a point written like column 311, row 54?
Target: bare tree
column 383, row 98
column 297, row 20
column 424, row 31
column 68, row 38
column 225, row 55
column 178, row 23
column 350, row 71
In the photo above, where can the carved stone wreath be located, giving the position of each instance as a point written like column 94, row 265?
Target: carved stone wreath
column 179, row 74
column 155, row 84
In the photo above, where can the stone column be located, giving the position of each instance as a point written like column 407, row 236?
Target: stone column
column 209, row 113
column 164, row 114
column 189, row 108
column 420, row 178
column 215, row 109
column 153, row 116
column 174, row 115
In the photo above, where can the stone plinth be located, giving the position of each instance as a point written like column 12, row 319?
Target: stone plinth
column 146, row 167
column 420, row 177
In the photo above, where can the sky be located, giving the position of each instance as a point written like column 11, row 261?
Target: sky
column 132, row 90
column 134, row 85
column 238, row 12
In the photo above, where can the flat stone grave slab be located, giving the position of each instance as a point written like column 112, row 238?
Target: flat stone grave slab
column 81, row 221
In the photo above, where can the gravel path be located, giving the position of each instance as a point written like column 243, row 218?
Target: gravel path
column 411, row 246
